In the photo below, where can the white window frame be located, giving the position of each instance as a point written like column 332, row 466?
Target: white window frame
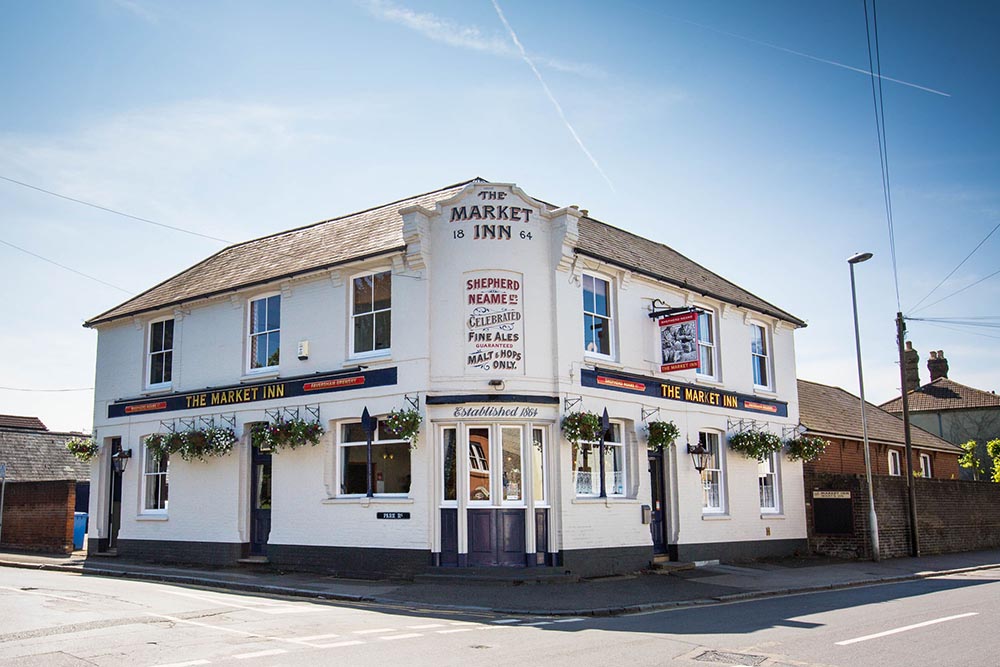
column 450, row 502
column 895, row 464
column 712, row 346
column 767, row 356
column 166, row 384
column 343, row 445
column 770, row 467
column 351, row 316
column 543, row 501
column 925, row 466
column 267, row 332
column 619, row 490
column 720, row 471
column 610, row 317
column 162, row 504
column 475, row 459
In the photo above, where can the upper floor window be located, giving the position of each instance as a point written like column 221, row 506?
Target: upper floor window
column 161, row 352
column 587, row 462
column 712, row 480
column 706, row 344
column 371, row 312
column 760, row 356
column 767, row 482
column 895, row 466
column 925, row 465
column 154, row 480
column 597, row 315
column 265, row 332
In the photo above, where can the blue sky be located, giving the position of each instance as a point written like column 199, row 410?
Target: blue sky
column 239, row 119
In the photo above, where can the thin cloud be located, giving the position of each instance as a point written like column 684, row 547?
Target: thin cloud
column 136, row 8
column 552, row 98
column 467, row 37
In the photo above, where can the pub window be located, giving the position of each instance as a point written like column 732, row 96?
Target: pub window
column 925, row 465
column 265, row 332
column 713, row 481
column 767, row 483
column 707, row 349
column 480, row 480
column 760, row 356
column 587, row 470
column 538, row 465
column 154, row 481
column 895, row 467
column 390, row 461
column 449, row 464
column 597, row 320
column 160, row 359
column 371, row 313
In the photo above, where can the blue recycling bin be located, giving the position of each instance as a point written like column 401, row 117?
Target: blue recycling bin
column 79, row 529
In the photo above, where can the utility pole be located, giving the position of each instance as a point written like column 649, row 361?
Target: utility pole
column 914, row 539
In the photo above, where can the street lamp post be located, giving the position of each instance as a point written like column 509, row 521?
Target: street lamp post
column 872, row 518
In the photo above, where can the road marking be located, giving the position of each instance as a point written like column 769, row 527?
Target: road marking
column 410, row 635
column 259, row 654
column 568, row 620
column 507, row 620
column 210, row 627
column 374, row 631
column 426, row 626
column 448, row 632
column 528, row 625
column 314, row 638
column 189, row 663
column 264, row 607
column 904, row 629
column 463, row 623
column 350, row 642
column 44, row 595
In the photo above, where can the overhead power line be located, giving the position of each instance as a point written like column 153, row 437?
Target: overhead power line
column 111, row 210
column 46, row 390
column 980, row 244
column 63, row 266
column 934, row 303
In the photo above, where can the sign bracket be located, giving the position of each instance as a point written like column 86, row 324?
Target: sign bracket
column 571, row 402
column 665, row 311
column 649, row 412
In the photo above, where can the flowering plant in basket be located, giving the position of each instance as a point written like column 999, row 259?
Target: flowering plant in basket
column 405, row 424
column 577, row 426
column 805, row 448
column 83, row 449
column 661, row 434
column 755, row 444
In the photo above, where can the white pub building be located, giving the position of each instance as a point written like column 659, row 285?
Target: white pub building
column 493, row 316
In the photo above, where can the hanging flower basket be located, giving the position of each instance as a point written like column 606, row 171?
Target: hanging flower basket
column 755, row 444
column 195, row 445
column 805, row 448
column 661, row 434
column 285, row 434
column 577, row 426
column 84, row 449
column 405, row 425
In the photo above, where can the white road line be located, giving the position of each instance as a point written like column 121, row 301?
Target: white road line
column 259, row 654
column 350, row 642
column 206, row 625
column 507, row 620
column 528, row 625
column 44, row 595
column 448, row 632
column 411, row 635
column 568, row 620
column 189, row 663
column 374, row 631
column 463, row 623
column 263, row 608
column 426, row 626
column 904, row 629
column 314, row 638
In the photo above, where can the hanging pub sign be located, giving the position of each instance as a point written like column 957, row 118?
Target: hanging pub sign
column 679, row 342
column 494, row 330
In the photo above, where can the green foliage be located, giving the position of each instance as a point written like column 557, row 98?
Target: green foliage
column 970, row 459
column 285, row 434
column 195, row 445
column 577, row 426
column 755, row 444
column 661, row 434
column 805, row 448
column 405, row 425
column 83, row 449
column 993, row 449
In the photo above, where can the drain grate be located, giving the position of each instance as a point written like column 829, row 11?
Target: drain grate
column 728, row 658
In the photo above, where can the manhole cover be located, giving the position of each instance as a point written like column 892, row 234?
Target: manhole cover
column 727, row 658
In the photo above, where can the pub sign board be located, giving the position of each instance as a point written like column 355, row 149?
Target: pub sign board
column 228, row 396
column 676, row 391
column 679, row 342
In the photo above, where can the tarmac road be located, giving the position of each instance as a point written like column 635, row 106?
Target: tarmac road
column 60, row 618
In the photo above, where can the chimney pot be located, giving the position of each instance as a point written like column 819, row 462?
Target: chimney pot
column 937, row 365
column 911, row 360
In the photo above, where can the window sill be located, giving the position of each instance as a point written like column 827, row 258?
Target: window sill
column 710, row 381
column 591, row 359
column 365, row 501
column 257, row 376
column 762, row 391
column 152, row 517
column 716, row 517
column 157, row 389
column 772, row 515
column 362, row 360
column 610, row 500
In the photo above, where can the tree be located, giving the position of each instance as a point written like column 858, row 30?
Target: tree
column 993, row 449
column 988, row 468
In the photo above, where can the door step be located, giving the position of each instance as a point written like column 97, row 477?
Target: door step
column 253, row 560
column 668, row 566
column 110, row 553
column 497, row 575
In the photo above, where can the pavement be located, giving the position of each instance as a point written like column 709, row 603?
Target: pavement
column 647, row 591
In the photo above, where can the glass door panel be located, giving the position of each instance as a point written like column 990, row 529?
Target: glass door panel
column 513, row 488
column 480, row 484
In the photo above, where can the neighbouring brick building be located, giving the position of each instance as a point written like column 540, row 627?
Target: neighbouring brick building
column 45, row 486
column 952, row 411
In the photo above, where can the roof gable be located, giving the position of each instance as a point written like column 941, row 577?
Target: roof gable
column 16, row 421
column 941, row 395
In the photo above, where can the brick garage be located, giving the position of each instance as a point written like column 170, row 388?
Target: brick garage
column 45, row 486
column 952, row 515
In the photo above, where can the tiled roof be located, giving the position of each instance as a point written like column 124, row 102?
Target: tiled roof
column 379, row 230
column 39, row 456
column 15, row 421
column 944, row 394
column 826, row 410
column 656, row 260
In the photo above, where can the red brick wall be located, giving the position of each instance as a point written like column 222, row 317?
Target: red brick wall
column 847, row 457
column 38, row 516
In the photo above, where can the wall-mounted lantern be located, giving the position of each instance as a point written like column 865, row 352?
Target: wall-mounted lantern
column 119, row 460
column 700, row 455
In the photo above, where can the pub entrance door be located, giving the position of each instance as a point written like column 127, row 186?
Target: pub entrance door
column 260, row 501
column 657, row 523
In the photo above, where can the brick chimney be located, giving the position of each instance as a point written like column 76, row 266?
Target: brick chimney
column 912, row 361
column 937, row 365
